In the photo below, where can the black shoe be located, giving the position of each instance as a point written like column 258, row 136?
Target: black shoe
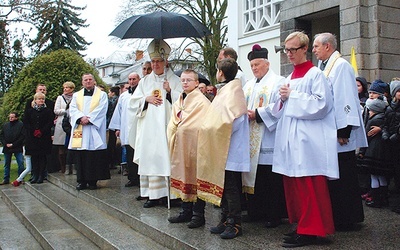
column 219, row 229
column 373, row 203
column 139, row 198
column 151, row 203
column 4, row 182
column 299, row 240
column 396, row 209
column 182, row 217
column 34, row 180
column 81, row 186
column 291, row 233
column 92, row 187
column 196, row 221
column 272, row 223
column 232, row 230
column 350, row 227
column 131, row 184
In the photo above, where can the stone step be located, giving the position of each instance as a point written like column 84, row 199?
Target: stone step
column 13, row 234
column 49, row 230
column 117, row 201
column 104, row 230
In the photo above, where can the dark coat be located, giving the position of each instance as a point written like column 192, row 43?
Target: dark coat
column 392, row 122
column 13, row 132
column 42, row 120
column 390, row 133
column 375, row 147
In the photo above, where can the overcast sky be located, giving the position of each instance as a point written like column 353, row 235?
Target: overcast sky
column 100, row 16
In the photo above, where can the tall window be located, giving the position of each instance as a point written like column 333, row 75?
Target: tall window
column 259, row 14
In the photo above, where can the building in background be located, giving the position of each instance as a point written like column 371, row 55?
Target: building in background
column 368, row 26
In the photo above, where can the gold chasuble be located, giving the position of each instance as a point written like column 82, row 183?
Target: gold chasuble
column 186, row 120
column 77, row 133
column 214, row 140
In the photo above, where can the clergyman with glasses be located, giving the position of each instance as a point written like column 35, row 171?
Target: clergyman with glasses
column 306, row 152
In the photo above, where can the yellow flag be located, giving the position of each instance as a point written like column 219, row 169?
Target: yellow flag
column 353, row 61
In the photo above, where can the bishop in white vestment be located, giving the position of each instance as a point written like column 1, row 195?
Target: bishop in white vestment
column 151, row 105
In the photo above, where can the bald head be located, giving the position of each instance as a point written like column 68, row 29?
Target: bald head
column 133, row 79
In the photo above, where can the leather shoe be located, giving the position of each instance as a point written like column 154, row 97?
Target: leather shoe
column 131, row 184
column 196, row 221
column 151, row 203
column 81, row 186
column 299, row 240
column 182, row 217
column 139, row 198
column 291, row 233
column 4, row 182
column 272, row 223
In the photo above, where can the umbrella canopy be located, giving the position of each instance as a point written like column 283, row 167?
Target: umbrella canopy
column 160, row 25
column 202, row 78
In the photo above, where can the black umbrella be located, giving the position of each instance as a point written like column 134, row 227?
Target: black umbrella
column 202, row 78
column 160, row 25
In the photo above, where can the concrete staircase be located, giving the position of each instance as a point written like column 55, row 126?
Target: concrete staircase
column 60, row 217
column 54, row 215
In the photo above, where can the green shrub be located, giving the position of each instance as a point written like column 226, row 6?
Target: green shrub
column 51, row 69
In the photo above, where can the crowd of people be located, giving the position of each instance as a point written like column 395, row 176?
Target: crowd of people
column 308, row 147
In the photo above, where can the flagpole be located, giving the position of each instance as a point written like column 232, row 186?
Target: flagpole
column 353, row 61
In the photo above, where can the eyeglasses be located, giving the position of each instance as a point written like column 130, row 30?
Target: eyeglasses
column 157, row 61
column 187, row 80
column 292, row 50
column 132, row 78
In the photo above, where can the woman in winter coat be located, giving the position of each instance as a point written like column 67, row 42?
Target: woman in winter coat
column 59, row 134
column 38, row 122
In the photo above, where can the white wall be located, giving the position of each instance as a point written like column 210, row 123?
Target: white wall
column 266, row 38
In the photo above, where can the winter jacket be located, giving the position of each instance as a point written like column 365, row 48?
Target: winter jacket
column 38, row 126
column 13, row 132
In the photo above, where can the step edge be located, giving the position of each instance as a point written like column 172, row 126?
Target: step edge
column 28, row 224
column 69, row 218
column 139, row 226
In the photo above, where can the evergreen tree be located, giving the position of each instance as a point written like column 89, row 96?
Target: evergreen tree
column 58, row 22
column 52, row 69
column 5, row 60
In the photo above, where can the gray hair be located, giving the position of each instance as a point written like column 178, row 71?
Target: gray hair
column 327, row 38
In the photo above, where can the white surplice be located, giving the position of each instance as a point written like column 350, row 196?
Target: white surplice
column 305, row 143
column 94, row 134
column 347, row 105
column 121, row 118
column 261, row 96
